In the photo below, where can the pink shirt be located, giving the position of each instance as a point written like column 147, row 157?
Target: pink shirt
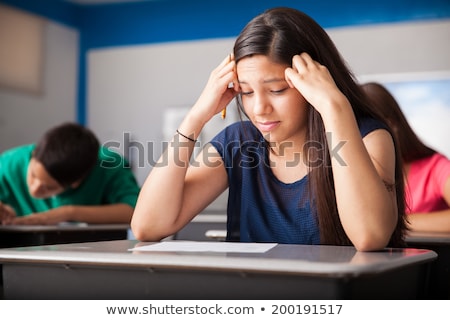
column 425, row 187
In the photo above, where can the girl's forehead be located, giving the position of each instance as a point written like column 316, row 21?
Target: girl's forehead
column 259, row 68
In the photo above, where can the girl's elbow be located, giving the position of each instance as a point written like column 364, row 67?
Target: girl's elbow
column 144, row 234
column 140, row 230
column 139, row 233
column 370, row 246
column 371, row 243
column 376, row 238
column 144, row 231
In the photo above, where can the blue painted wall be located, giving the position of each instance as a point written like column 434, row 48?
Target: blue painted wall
column 109, row 25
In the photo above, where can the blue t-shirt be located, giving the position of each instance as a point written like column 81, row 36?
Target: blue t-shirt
column 261, row 208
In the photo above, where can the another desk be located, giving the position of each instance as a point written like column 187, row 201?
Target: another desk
column 440, row 269
column 20, row 236
column 108, row 270
column 197, row 229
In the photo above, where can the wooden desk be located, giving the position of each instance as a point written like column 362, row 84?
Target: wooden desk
column 440, row 268
column 108, row 270
column 20, row 236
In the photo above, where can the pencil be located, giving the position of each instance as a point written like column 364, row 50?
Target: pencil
column 224, row 110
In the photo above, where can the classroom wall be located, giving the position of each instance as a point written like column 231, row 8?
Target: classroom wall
column 23, row 116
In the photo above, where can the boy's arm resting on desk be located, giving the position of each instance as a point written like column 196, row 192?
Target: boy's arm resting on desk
column 109, row 213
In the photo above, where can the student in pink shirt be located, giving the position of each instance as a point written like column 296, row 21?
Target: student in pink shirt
column 427, row 171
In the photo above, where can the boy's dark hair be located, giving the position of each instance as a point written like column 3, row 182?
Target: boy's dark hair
column 68, row 152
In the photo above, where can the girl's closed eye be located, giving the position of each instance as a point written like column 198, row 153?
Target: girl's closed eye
column 279, row 91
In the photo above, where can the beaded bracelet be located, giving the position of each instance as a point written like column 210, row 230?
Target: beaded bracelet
column 193, row 140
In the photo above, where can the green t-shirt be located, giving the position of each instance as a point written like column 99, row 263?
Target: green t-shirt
column 110, row 181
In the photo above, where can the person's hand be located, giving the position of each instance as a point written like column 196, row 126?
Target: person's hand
column 51, row 217
column 7, row 213
column 218, row 91
column 314, row 82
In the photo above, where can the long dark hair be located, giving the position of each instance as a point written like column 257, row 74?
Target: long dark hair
column 411, row 147
column 281, row 33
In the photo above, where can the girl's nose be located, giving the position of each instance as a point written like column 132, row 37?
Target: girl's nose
column 261, row 105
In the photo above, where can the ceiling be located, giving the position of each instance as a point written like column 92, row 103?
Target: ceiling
column 88, row 2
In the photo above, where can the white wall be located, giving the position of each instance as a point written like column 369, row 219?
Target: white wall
column 406, row 53
column 25, row 117
column 395, row 48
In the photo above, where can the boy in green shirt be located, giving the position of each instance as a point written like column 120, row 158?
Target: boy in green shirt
column 66, row 176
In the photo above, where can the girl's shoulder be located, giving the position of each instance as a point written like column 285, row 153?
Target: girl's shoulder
column 368, row 124
column 436, row 160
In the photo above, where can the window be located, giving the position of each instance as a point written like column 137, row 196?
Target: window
column 21, row 50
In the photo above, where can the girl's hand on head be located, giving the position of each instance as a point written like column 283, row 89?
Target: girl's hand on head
column 313, row 81
column 218, row 91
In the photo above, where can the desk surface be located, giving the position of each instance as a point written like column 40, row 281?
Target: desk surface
column 62, row 227
column 428, row 237
column 295, row 259
column 35, row 235
column 109, row 270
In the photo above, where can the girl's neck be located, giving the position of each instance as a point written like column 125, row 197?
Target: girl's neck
column 285, row 150
column 289, row 148
column 288, row 162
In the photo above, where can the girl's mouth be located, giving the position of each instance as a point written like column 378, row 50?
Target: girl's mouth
column 267, row 126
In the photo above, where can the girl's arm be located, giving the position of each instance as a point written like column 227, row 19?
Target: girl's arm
column 363, row 169
column 175, row 192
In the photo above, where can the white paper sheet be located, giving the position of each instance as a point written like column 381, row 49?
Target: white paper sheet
column 207, row 246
